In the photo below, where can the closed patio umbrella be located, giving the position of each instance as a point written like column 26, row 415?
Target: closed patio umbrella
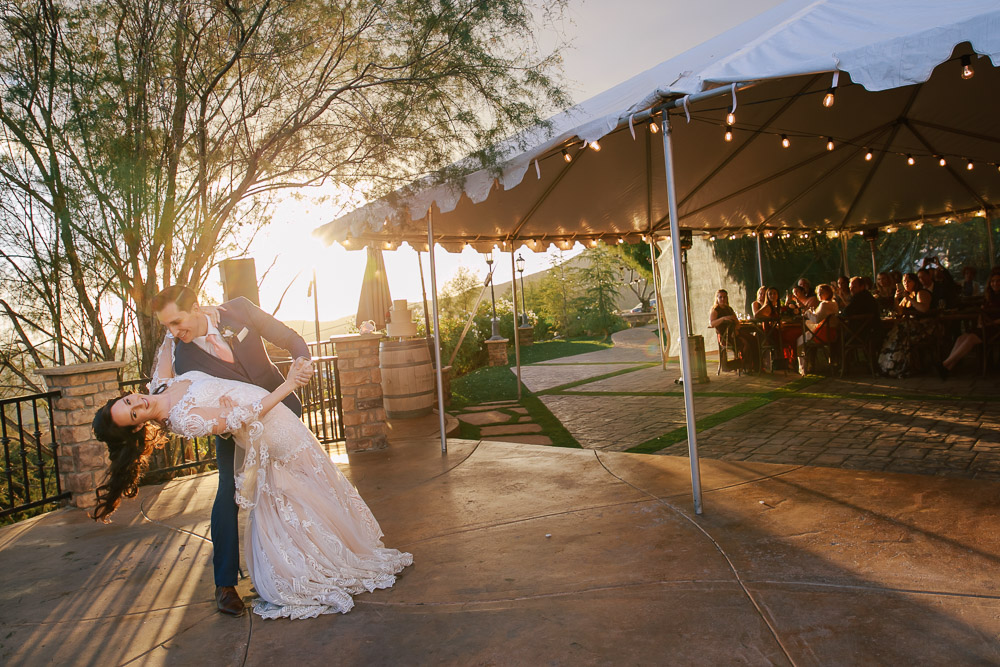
column 375, row 300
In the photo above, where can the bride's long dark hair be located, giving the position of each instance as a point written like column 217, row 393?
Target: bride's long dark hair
column 129, row 450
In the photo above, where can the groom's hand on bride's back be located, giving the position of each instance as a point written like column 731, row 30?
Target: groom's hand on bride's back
column 226, row 402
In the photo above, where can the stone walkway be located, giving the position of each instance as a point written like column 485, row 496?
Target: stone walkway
column 506, row 421
column 621, row 399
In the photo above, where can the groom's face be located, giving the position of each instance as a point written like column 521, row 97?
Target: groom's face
column 185, row 325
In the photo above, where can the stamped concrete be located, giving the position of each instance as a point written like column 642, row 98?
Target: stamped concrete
column 540, row 555
column 540, row 377
column 510, row 429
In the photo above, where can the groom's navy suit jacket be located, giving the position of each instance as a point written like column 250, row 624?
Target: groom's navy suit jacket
column 250, row 361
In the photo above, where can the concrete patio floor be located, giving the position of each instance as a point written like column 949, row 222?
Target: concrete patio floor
column 529, row 555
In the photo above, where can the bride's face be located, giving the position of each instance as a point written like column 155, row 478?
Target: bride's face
column 132, row 410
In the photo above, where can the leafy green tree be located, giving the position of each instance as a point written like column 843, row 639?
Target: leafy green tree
column 459, row 294
column 601, row 283
column 156, row 135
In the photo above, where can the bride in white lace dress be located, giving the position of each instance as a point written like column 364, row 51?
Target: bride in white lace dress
column 311, row 541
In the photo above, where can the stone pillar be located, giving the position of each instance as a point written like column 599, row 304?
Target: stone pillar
column 361, row 391
column 526, row 335
column 83, row 460
column 497, row 350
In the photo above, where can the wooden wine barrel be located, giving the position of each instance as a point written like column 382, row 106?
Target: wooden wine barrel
column 407, row 378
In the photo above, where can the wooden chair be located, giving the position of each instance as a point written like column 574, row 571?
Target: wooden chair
column 770, row 348
column 990, row 335
column 727, row 345
column 823, row 337
column 857, row 335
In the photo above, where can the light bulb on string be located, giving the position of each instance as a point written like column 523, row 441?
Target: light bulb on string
column 654, row 127
column 566, row 156
column 596, row 147
column 829, row 143
column 909, row 160
column 730, row 118
column 829, row 98
column 967, row 71
column 969, row 165
column 785, row 143
column 728, row 136
column 942, row 161
column 868, row 155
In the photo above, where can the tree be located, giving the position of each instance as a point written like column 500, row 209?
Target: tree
column 459, row 294
column 556, row 295
column 156, row 136
column 601, row 284
column 638, row 272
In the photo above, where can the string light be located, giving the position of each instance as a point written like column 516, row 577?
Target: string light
column 829, row 98
column 711, row 237
column 829, row 143
column 595, row 146
column 654, row 127
column 785, row 143
column 621, row 240
column 566, row 156
column 729, row 133
column 969, row 165
column 942, row 161
column 868, row 155
column 730, row 118
column 918, row 225
column 909, row 160
column 967, row 71
column 768, row 234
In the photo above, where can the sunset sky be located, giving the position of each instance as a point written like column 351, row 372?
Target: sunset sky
column 611, row 42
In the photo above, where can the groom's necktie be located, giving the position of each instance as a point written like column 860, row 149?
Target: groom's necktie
column 220, row 349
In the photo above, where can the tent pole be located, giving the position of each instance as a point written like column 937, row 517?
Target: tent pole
column 517, row 334
column 423, row 288
column 871, row 243
column 437, row 332
column 760, row 259
column 659, row 300
column 843, row 250
column 682, row 316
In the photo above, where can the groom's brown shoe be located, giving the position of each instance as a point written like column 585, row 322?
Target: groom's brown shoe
column 229, row 601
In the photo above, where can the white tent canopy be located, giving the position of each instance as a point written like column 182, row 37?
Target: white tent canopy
column 899, row 145
column 899, row 94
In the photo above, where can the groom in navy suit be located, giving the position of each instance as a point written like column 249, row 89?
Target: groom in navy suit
column 233, row 350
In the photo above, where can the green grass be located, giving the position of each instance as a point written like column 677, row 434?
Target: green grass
column 554, row 349
column 680, row 434
column 605, row 376
column 492, row 383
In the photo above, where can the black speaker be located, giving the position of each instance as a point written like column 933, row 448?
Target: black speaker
column 239, row 278
column 870, row 234
column 686, row 240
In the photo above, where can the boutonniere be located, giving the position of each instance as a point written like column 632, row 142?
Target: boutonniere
column 228, row 334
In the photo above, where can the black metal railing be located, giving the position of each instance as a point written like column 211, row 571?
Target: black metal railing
column 30, row 460
column 178, row 455
column 322, row 406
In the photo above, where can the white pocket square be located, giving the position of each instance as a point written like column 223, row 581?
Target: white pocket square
column 242, row 334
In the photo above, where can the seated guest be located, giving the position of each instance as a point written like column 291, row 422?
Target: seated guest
column 805, row 285
column 817, row 323
column 897, row 280
column 947, row 289
column 926, row 278
column 885, row 291
column 723, row 319
column 804, row 299
column 967, row 342
column 771, row 308
column 914, row 301
column 862, row 301
column 970, row 287
column 760, row 301
column 842, row 292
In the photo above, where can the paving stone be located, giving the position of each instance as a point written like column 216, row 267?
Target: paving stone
column 524, row 439
column 520, row 411
column 478, row 418
column 510, row 428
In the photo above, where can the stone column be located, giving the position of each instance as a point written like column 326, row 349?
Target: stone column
column 361, row 391
column 527, row 335
column 497, row 350
column 83, row 460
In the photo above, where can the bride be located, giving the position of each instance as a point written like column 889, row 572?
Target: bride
column 311, row 541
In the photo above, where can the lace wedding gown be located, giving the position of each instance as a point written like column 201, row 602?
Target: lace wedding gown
column 311, row 541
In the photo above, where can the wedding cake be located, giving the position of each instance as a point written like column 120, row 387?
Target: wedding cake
column 402, row 323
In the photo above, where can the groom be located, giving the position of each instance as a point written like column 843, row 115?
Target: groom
column 233, row 350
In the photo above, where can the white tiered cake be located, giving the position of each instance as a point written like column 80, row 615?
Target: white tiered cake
column 402, row 323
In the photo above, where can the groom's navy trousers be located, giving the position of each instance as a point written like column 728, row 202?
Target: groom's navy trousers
column 250, row 364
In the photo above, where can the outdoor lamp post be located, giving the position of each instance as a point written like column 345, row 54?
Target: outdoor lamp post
column 493, row 299
column 520, row 269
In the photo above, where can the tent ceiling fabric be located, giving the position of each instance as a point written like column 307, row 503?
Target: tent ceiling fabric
column 900, row 93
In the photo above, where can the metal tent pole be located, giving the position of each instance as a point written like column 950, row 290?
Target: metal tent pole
column 760, row 260
column 871, row 243
column 682, row 316
column 659, row 300
column 989, row 242
column 843, row 250
column 437, row 331
column 517, row 335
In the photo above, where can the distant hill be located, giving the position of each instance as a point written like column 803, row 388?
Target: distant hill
column 307, row 328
